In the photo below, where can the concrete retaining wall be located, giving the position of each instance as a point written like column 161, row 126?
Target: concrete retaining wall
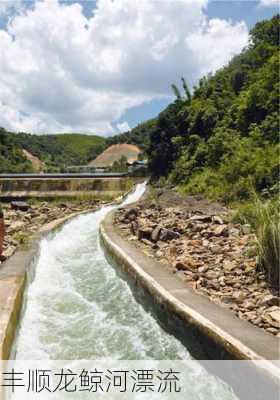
column 209, row 331
column 53, row 187
column 13, row 278
column 12, row 285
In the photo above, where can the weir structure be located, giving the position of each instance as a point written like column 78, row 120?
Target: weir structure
column 47, row 186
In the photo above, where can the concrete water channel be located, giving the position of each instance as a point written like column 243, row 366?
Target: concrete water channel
column 77, row 307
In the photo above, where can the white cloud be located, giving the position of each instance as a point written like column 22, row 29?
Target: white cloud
column 270, row 3
column 6, row 6
column 123, row 127
column 213, row 43
column 61, row 71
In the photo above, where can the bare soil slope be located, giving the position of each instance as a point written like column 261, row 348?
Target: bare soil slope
column 37, row 164
column 115, row 153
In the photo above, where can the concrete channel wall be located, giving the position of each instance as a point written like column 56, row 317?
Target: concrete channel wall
column 13, row 279
column 209, row 332
column 12, row 285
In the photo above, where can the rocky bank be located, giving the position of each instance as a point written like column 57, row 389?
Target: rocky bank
column 217, row 258
column 22, row 220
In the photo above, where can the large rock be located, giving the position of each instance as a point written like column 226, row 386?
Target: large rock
column 217, row 220
column 202, row 218
column 273, row 317
column 167, row 234
column 188, row 264
column 134, row 228
column 20, row 205
column 144, row 233
column 220, row 230
column 156, row 233
column 131, row 214
column 269, row 300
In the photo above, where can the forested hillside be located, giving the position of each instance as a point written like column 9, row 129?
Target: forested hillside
column 11, row 156
column 223, row 140
column 62, row 150
column 140, row 135
column 56, row 151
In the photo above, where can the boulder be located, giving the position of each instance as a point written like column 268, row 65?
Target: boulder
column 217, row 220
column 180, row 266
column 20, row 205
column 249, row 305
column 269, row 300
column 131, row 213
column 167, row 234
column 144, row 233
column 202, row 218
column 273, row 318
column 134, row 228
column 188, row 264
column 156, row 233
column 221, row 230
column 213, row 284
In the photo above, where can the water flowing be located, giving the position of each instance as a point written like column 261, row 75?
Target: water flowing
column 77, row 307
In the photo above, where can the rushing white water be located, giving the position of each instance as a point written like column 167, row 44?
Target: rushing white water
column 77, row 307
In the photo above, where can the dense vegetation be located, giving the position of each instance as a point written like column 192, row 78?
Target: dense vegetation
column 140, row 135
column 56, row 151
column 62, row 150
column 11, row 157
column 223, row 140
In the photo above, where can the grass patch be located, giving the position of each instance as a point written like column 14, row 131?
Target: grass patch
column 268, row 239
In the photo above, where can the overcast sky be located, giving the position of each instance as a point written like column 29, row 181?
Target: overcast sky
column 104, row 66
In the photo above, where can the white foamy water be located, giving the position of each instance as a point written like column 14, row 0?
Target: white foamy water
column 77, row 307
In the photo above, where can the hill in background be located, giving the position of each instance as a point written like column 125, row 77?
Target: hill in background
column 115, row 153
column 222, row 140
column 86, row 147
column 56, row 151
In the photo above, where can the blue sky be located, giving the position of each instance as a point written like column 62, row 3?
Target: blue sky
column 106, row 66
column 248, row 11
